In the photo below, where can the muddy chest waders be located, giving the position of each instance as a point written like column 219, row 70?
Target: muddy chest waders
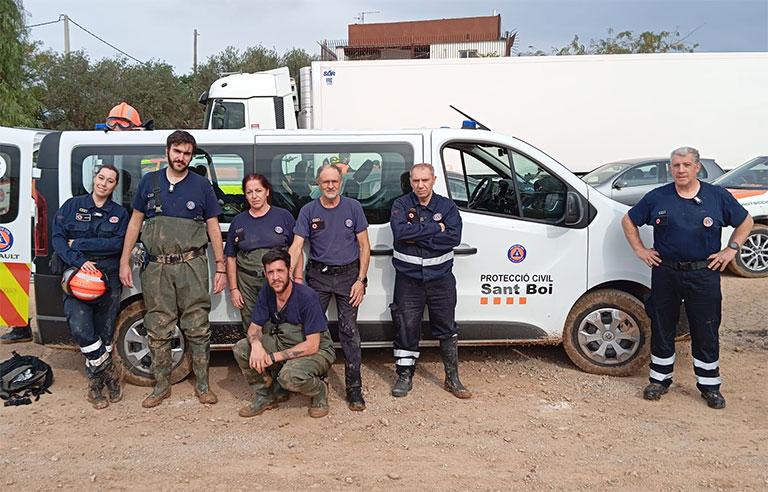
column 176, row 281
column 250, row 280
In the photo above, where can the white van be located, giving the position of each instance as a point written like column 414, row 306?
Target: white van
column 19, row 205
column 543, row 258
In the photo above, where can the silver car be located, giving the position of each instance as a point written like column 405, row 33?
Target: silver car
column 628, row 180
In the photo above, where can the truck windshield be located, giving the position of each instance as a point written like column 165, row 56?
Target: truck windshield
column 226, row 115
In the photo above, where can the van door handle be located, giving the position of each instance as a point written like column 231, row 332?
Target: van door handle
column 465, row 251
column 381, row 252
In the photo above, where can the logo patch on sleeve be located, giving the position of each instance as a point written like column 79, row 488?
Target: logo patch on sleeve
column 114, row 219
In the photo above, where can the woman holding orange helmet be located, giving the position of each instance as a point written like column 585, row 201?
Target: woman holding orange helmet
column 88, row 236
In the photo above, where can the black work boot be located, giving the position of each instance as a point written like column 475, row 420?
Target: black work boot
column 95, row 385
column 112, row 377
column 17, row 334
column 450, row 351
column 714, row 398
column 355, row 400
column 403, row 385
column 654, row 391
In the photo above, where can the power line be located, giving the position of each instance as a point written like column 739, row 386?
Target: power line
column 61, row 17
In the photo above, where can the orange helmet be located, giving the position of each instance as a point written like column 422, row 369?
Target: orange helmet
column 123, row 117
column 83, row 285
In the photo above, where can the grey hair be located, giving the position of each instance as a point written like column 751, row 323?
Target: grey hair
column 422, row 165
column 327, row 166
column 684, row 151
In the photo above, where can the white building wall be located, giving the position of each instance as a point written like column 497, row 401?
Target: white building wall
column 478, row 48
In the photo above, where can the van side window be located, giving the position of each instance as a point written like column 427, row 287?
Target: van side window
column 371, row 173
column 497, row 180
column 10, row 158
column 224, row 166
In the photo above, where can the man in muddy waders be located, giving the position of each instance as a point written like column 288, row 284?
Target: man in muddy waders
column 179, row 208
column 287, row 339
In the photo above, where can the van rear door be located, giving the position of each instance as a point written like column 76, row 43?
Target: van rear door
column 16, row 211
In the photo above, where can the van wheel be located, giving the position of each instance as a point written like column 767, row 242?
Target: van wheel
column 607, row 332
column 133, row 348
column 752, row 259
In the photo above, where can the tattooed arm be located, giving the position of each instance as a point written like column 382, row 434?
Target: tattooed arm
column 303, row 349
column 256, row 360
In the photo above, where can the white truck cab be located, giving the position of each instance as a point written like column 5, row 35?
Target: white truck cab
column 251, row 100
column 543, row 258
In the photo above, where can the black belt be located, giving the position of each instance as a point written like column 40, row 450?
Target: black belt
column 686, row 266
column 178, row 258
column 252, row 273
column 331, row 269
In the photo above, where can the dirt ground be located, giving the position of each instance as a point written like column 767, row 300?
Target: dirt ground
column 536, row 422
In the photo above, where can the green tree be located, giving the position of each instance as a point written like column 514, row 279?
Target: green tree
column 624, row 42
column 16, row 102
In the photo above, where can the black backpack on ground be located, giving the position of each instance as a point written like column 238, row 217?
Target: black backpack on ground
column 23, row 376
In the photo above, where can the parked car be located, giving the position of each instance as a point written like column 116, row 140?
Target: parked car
column 628, row 180
column 749, row 184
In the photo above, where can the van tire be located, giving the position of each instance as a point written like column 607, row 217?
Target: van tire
column 128, row 321
column 599, row 356
column 754, row 250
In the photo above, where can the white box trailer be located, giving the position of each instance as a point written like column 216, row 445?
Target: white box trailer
column 584, row 110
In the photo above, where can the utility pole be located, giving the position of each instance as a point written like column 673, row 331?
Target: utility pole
column 194, row 56
column 66, row 33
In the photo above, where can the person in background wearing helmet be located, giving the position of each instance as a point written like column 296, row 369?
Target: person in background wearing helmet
column 125, row 117
column 182, row 213
column 88, row 234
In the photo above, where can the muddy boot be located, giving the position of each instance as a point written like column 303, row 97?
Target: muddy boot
column 17, row 334
column 319, row 406
column 201, row 355
column 95, row 385
column 355, row 400
column 403, row 385
column 450, row 351
column 112, row 377
column 162, row 361
column 265, row 400
column 281, row 394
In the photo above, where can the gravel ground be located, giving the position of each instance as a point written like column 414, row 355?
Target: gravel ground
column 536, row 422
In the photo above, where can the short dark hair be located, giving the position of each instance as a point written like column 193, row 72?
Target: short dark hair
column 276, row 254
column 180, row 137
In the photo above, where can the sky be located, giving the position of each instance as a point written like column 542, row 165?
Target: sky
column 163, row 30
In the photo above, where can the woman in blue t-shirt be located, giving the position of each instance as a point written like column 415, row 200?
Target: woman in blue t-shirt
column 251, row 234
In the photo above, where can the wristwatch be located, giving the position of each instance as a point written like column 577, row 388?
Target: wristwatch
column 364, row 280
column 734, row 245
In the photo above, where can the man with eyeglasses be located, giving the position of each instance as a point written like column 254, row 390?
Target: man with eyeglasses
column 287, row 340
column 339, row 253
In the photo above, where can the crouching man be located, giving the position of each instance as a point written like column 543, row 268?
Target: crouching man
column 287, row 341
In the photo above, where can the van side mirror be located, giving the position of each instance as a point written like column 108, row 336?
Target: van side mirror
column 574, row 209
column 619, row 184
column 203, row 98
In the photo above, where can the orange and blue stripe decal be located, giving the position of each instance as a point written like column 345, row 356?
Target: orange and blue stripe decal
column 14, row 294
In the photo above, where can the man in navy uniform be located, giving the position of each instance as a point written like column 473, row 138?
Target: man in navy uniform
column 687, row 217
column 339, row 253
column 426, row 227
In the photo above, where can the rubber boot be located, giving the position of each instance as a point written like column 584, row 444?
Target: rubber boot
column 161, row 358
column 201, row 356
column 95, row 385
column 265, row 397
column 319, row 393
column 450, row 351
column 281, row 394
column 112, row 377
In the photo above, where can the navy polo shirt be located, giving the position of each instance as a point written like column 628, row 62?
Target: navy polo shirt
column 192, row 197
column 422, row 250
column 302, row 308
column 683, row 230
column 97, row 231
column 332, row 232
column 272, row 230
